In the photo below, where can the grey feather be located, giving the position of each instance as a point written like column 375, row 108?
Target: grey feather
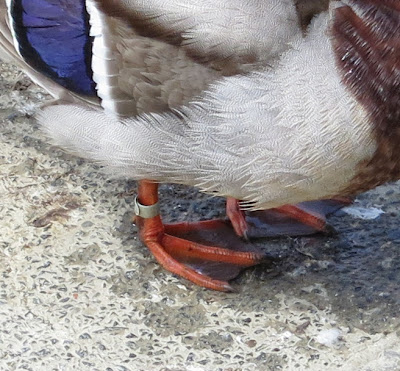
column 262, row 138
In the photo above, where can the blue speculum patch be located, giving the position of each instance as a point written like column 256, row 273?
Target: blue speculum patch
column 53, row 37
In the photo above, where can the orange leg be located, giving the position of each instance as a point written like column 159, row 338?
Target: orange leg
column 237, row 217
column 166, row 247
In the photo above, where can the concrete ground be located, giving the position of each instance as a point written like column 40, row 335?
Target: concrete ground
column 79, row 291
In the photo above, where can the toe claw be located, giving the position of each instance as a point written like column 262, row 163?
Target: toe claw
column 228, row 288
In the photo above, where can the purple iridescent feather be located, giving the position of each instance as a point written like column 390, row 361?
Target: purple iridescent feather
column 53, row 37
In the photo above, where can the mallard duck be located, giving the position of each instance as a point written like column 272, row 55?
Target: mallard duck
column 311, row 127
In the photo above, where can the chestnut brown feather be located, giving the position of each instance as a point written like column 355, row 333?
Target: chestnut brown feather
column 366, row 38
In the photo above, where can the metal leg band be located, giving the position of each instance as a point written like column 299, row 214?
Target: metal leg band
column 144, row 211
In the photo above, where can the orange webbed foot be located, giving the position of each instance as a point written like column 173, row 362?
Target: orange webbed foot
column 207, row 265
column 302, row 219
column 175, row 254
column 180, row 255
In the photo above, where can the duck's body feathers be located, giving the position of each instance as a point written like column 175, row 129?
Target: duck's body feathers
column 267, row 138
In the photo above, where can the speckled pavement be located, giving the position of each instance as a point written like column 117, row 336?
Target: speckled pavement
column 78, row 291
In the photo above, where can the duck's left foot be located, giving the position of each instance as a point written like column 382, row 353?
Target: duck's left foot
column 176, row 254
column 181, row 256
